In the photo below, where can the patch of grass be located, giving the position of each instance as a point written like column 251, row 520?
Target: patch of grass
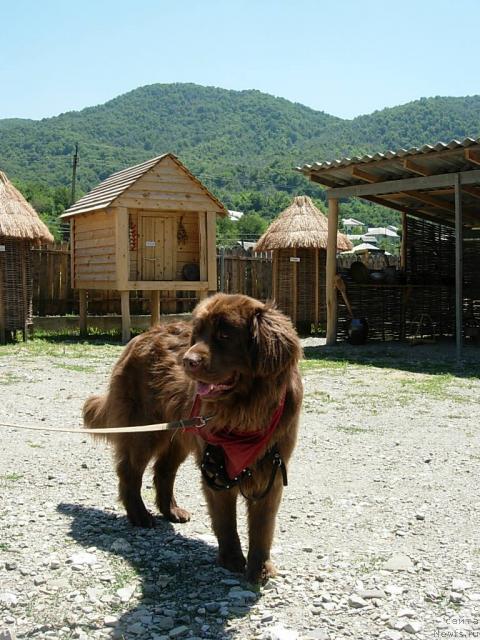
column 315, row 365
column 4, row 546
column 77, row 367
column 9, row 378
column 124, row 574
column 327, row 501
column 322, row 396
column 71, row 349
column 352, row 430
column 11, row 477
column 35, row 445
column 431, row 386
column 371, row 564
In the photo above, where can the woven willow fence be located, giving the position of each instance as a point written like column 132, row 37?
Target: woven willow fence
column 15, row 285
column 427, row 289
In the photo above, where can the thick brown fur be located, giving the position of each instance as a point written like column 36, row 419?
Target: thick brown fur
column 232, row 339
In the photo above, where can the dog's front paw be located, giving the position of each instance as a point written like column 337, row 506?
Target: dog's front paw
column 260, row 573
column 177, row 514
column 141, row 518
column 232, row 561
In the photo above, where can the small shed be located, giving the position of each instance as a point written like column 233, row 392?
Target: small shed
column 151, row 227
column 298, row 240
column 20, row 227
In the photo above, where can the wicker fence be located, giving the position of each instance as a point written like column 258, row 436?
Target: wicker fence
column 239, row 271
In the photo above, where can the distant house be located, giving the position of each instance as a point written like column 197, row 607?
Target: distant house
column 355, row 238
column 380, row 233
column 245, row 244
column 350, row 225
column 365, row 247
column 235, row 215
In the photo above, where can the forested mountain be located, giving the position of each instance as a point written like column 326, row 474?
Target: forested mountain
column 242, row 144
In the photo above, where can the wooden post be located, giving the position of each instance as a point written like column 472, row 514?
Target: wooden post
column 155, row 307
column 125, row 304
column 211, row 228
column 458, row 267
column 83, row 309
column 317, row 289
column 294, row 288
column 72, row 252
column 2, row 312
column 121, row 247
column 202, row 237
column 403, row 250
column 332, row 271
column 222, row 269
column 275, row 274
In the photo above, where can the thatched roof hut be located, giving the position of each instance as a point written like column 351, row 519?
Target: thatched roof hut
column 18, row 219
column 300, row 225
column 20, row 227
column 298, row 239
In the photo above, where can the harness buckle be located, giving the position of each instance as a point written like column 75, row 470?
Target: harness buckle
column 198, row 422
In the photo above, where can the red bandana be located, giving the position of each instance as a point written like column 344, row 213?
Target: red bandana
column 241, row 449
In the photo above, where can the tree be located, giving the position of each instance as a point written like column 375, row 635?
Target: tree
column 251, row 226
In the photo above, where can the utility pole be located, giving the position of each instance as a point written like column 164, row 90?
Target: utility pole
column 74, row 172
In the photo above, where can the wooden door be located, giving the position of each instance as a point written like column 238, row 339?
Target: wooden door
column 158, row 245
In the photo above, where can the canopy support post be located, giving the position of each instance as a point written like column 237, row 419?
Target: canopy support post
column 332, row 271
column 458, row 268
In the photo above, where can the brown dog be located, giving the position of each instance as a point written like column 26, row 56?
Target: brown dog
column 238, row 362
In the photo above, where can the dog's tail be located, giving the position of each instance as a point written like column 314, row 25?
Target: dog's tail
column 95, row 414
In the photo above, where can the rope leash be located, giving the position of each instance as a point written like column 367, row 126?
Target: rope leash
column 197, row 422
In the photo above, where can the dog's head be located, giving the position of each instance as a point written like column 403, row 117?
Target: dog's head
column 235, row 341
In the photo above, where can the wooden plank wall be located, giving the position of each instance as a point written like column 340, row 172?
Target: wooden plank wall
column 245, row 272
column 52, row 291
column 95, row 256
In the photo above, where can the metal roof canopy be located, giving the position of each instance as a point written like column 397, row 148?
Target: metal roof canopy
column 438, row 182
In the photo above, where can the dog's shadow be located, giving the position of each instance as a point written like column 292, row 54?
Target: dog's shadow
column 172, row 579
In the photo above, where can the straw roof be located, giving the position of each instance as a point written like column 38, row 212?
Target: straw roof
column 301, row 225
column 18, row 219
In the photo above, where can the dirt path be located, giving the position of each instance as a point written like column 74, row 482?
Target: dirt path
column 378, row 534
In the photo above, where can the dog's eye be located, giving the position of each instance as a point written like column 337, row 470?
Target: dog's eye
column 223, row 335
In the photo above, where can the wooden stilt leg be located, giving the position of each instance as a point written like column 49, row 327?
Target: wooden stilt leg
column 154, row 308
column 83, row 304
column 126, row 323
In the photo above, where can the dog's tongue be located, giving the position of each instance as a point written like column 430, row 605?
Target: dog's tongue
column 204, row 388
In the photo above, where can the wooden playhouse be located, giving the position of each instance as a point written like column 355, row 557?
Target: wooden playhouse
column 151, row 227
column 20, row 228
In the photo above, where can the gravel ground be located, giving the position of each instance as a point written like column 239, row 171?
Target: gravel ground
column 377, row 537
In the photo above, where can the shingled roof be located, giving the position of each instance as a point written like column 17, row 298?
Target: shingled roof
column 104, row 194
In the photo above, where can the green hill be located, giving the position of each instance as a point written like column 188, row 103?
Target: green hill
column 242, row 144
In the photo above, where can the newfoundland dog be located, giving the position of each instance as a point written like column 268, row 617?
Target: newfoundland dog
column 236, row 363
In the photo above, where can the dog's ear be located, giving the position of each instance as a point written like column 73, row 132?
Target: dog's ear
column 275, row 344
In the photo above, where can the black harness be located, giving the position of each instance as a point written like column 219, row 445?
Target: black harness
column 215, row 474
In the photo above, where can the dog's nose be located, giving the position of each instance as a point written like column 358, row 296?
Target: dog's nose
column 192, row 361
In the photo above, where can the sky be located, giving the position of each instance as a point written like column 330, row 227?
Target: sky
column 344, row 57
